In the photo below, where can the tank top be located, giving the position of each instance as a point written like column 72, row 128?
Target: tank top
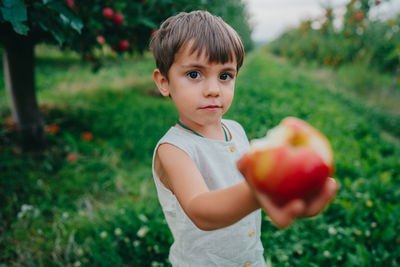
column 236, row 245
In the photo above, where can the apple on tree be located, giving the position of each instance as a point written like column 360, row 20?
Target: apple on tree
column 121, row 46
column 108, row 13
column 70, row 3
column 101, row 40
column 293, row 161
column 118, row 19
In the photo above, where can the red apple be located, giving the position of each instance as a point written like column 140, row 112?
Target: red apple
column 72, row 157
column 358, row 15
column 52, row 128
column 87, row 136
column 293, row 161
column 118, row 19
column 100, row 39
column 122, row 45
column 70, row 3
column 108, row 13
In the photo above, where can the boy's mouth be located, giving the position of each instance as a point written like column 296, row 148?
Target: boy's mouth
column 211, row 107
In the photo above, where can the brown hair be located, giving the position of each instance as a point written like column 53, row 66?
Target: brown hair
column 209, row 33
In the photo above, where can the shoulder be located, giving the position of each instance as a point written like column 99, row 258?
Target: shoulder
column 170, row 153
column 179, row 139
column 175, row 142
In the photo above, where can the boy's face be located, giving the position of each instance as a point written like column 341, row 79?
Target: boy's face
column 201, row 91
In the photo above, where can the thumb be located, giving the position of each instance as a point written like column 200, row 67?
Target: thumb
column 242, row 164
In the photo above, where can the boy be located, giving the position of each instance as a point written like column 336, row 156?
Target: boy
column 213, row 213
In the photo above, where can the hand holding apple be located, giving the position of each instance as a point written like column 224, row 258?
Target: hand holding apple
column 289, row 171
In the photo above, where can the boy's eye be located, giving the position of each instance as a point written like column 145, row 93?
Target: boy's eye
column 193, row 75
column 225, row 76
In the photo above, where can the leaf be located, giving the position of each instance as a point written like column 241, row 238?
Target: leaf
column 74, row 22
column 77, row 24
column 44, row 27
column 58, row 36
column 14, row 11
column 20, row 28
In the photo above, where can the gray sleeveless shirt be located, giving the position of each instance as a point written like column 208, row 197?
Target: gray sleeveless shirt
column 235, row 245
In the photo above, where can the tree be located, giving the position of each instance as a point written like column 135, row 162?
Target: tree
column 125, row 25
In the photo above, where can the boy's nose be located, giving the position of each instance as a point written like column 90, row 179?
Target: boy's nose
column 212, row 88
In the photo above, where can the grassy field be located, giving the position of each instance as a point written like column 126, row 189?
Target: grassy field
column 91, row 201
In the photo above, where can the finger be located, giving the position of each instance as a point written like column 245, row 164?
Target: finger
column 327, row 193
column 283, row 216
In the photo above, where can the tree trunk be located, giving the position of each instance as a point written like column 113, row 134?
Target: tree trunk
column 19, row 65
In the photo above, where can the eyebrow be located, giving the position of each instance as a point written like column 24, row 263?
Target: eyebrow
column 199, row 66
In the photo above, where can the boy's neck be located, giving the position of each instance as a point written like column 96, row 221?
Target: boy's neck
column 213, row 131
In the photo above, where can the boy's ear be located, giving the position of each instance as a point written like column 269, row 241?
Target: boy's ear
column 161, row 82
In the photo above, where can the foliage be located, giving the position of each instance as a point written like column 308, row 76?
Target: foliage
column 86, row 27
column 25, row 16
column 373, row 42
column 89, row 199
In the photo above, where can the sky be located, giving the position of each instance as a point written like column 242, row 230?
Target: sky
column 270, row 18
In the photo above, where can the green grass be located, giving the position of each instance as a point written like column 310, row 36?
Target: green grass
column 90, row 211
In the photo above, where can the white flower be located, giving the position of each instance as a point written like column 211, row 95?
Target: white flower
column 65, row 215
column 142, row 231
column 143, row 218
column 327, row 254
column 118, row 231
column 26, row 207
column 103, row 234
column 367, row 233
column 77, row 264
column 136, row 243
column 332, row 230
column 156, row 249
column 373, row 224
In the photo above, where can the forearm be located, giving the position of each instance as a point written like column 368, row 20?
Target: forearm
column 217, row 209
